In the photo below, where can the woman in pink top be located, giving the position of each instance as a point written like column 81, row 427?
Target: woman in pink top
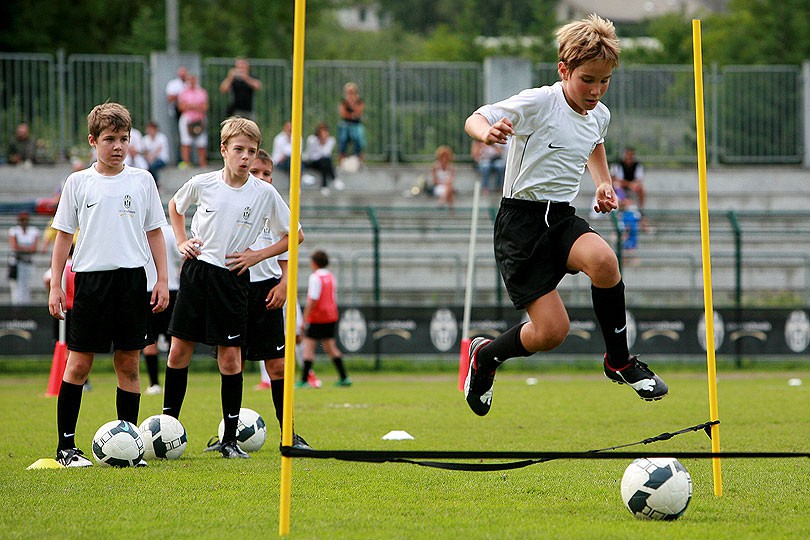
column 193, row 105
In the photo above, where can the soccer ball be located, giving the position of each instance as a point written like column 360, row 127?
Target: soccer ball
column 118, row 443
column 250, row 432
column 163, row 437
column 656, row 488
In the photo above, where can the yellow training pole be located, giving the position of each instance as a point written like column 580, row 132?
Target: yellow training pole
column 292, row 265
column 706, row 252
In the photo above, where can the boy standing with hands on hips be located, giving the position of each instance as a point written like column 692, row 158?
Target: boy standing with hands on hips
column 232, row 207
column 556, row 131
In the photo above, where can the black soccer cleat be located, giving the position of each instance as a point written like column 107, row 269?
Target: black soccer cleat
column 298, row 443
column 72, row 457
column 231, row 450
column 478, row 385
column 648, row 385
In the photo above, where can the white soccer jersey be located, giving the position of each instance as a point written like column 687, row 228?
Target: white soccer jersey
column 268, row 268
column 112, row 215
column 227, row 219
column 174, row 260
column 552, row 143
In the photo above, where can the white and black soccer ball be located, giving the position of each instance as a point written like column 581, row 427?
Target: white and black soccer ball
column 118, row 444
column 251, row 431
column 656, row 488
column 163, row 437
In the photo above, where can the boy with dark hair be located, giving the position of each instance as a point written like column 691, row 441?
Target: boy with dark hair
column 556, row 131
column 268, row 294
column 320, row 319
column 118, row 213
column 232, row 208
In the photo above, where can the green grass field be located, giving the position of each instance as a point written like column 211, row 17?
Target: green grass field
column 203, row 496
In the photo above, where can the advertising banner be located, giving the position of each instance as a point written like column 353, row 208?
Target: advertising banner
column 29, row 330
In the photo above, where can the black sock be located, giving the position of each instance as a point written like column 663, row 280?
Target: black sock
column 231, row 394
column 505, row 346
column 306, row 369
column 176, row 382
column 609, row 307
column 152, row 368
column 67, row 413
column 277, row 391
column 338, row 361
column 127, row 405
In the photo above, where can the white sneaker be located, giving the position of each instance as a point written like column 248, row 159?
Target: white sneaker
column 308, row 180
column 72, row 457
column 338, row 184
column 325, row 191
column 153, row 390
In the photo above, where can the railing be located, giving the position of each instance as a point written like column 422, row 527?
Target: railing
column 413, row 255
column 755, row 114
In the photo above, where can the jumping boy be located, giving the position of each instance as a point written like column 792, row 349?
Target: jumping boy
column 556, row 131
column 232, row 208
column 118, row 213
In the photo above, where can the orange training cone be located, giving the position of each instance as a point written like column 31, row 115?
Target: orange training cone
column 57, row 369
column 463, row 363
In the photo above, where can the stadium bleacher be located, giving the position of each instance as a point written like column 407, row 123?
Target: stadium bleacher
column 423, row 248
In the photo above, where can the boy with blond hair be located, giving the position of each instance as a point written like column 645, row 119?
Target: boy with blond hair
column 556, row 131
column 117, row 212
column 232, row 208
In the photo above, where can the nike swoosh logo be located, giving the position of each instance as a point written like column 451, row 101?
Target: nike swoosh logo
column 232, row 416
column 166, row 408
column 233, row 337
column 280, row 348
column 66, row 435
column 551, row 145
column 620, row 330
column 92, row 205
column 210, row 209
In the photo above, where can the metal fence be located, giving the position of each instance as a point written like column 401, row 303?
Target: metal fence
column 754, row 114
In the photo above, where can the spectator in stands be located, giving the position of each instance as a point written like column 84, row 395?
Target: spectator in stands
column 318, row 156
column 628, row 174
column 22, row 147
column 23, row 239
column 193, row 123
column 135, row 156
column 155, row 147
column 241, row 86
column 282, row 148
column 173, row 90
column 444, row 175
column 350, row 128
column 489, row 160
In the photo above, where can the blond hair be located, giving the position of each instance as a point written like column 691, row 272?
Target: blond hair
column 444, row 150
column 236, row 126
column 592, row 38
column 108, row 116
